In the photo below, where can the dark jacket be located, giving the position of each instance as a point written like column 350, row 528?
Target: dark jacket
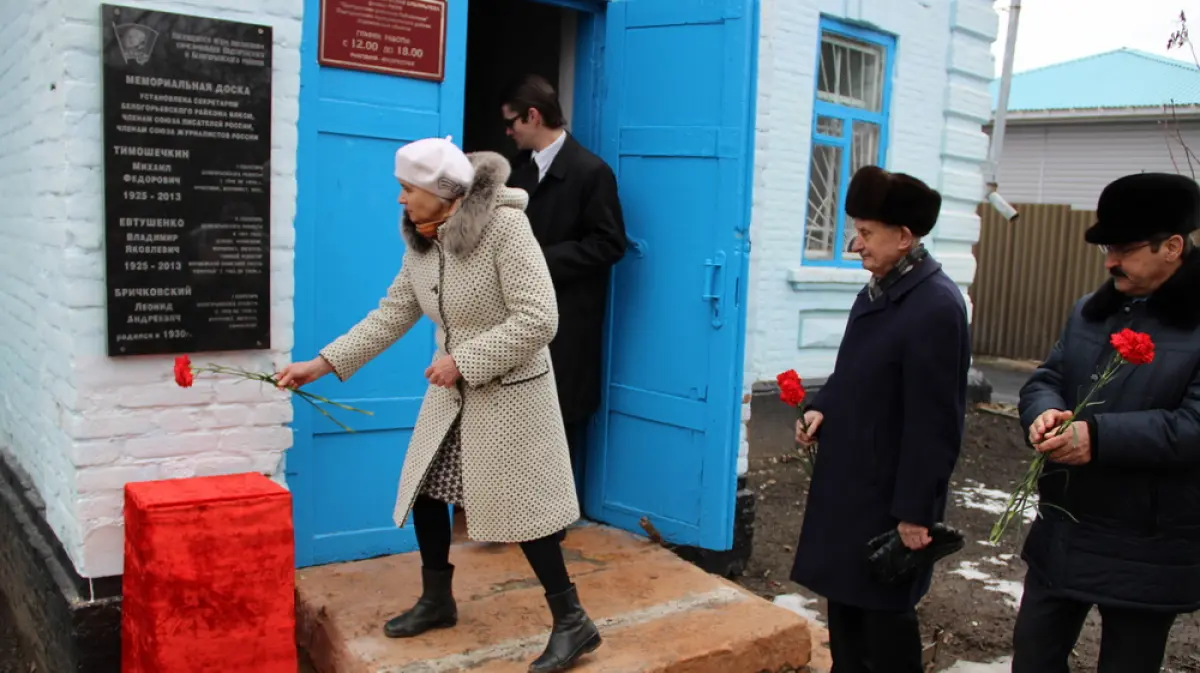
column 1135, row 538
column 894, row 411
column 576, row 217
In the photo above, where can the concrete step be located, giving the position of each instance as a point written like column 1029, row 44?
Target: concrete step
column 657, row 613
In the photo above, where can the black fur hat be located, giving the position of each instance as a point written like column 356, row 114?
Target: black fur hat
column 1139, row 206
column 893, row 198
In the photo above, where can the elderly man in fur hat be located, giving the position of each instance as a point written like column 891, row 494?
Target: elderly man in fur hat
column 890, row 422
column 1122, row 531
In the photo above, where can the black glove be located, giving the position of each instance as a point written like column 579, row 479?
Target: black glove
column 893, row 564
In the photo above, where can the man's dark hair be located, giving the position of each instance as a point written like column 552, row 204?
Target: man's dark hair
column 1156, row 242
column 534, row 92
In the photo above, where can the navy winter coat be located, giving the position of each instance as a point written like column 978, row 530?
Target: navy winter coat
column 1135, row 541
column 894, row 410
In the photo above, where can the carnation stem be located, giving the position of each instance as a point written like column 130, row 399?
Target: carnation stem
column 808, row 454
column 1018, row 501
column 315, row 400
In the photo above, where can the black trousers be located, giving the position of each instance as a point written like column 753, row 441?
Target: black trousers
column 1131, row 641
column 431, row 519
column 869, row 641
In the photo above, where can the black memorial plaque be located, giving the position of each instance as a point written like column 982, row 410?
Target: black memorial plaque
column 187, row 149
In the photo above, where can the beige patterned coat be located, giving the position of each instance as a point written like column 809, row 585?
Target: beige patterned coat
column 485, row 285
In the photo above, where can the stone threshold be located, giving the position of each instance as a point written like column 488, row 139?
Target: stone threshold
column 657, row 612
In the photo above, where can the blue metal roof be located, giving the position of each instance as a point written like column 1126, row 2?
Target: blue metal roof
column 1115, row 79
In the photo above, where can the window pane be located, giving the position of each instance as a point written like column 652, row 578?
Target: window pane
column 829, row 126
column 823, row 190
column 851, row 73
column 864, row 151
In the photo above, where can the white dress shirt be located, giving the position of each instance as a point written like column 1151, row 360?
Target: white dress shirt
column 546, row 157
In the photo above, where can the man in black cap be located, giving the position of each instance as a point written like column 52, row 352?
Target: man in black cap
column 1122, row 531
column 890, row 423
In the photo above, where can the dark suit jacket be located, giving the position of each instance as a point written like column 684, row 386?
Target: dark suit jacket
column 576, row 217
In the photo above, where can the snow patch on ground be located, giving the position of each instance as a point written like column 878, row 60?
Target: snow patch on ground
column 801, row 606
column 999, row 666
column 978, row 496
column 1012, row 590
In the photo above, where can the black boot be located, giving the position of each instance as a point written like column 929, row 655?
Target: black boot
column 435, row 609
column 573, row 636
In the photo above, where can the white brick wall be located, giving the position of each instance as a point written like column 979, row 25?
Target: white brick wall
column 82, row 424
column 796, row 314
column 32, row 264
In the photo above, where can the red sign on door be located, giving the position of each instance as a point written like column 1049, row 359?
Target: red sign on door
column 395, row 37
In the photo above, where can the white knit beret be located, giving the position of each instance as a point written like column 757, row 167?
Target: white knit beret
column 435, row 165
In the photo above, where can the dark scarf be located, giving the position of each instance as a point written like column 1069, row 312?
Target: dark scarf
column 877, row 286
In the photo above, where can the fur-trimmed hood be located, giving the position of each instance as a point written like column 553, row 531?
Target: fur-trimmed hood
column 1175, row 304
column 463, row 231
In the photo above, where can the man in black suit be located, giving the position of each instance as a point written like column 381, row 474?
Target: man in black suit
column 576, row 217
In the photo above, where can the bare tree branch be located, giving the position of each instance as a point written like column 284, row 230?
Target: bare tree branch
column 1171, row 129
column 1174, row 131
column 1167, row 138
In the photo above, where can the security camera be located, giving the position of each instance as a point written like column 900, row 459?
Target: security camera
column 1003, row 207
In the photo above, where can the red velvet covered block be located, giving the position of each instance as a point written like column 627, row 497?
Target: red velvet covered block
column 209, row 579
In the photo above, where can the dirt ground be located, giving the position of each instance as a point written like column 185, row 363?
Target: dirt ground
column 12, row 657
column 975, row 592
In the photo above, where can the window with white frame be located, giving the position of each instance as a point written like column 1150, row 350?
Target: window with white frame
column 849, row 131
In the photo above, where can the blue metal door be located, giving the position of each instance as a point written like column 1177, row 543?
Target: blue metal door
column 678, row 128
column 348, row 249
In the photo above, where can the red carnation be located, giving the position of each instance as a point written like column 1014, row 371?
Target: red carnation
column 183, row 371
column 1136, row 348
column 185, row 376
column 791, row 390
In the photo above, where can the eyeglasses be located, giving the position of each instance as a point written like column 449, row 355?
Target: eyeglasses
column 509, row 122
column 1122, row 250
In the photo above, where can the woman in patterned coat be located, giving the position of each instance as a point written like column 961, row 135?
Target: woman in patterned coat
column 489, row 437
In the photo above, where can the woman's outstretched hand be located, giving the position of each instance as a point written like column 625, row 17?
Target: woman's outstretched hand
column 301, row 373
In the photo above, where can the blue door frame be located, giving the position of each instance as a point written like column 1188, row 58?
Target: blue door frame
column 589, row 67
column 349, row 125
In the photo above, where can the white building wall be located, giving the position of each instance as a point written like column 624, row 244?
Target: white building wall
column 34, row 267
column 79, row 423
column 940, row 101
column 1070, row 163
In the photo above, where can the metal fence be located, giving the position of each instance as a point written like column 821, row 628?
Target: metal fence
column 1029, row 275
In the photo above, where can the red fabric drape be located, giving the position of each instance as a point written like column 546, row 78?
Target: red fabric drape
column 209, row 576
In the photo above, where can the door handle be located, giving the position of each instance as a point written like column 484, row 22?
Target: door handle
column 713, row 286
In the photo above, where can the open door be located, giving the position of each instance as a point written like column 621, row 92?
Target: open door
column 678, row 128
column 348, row 250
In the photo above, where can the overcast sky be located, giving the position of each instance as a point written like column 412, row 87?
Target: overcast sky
column 1052, row 31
